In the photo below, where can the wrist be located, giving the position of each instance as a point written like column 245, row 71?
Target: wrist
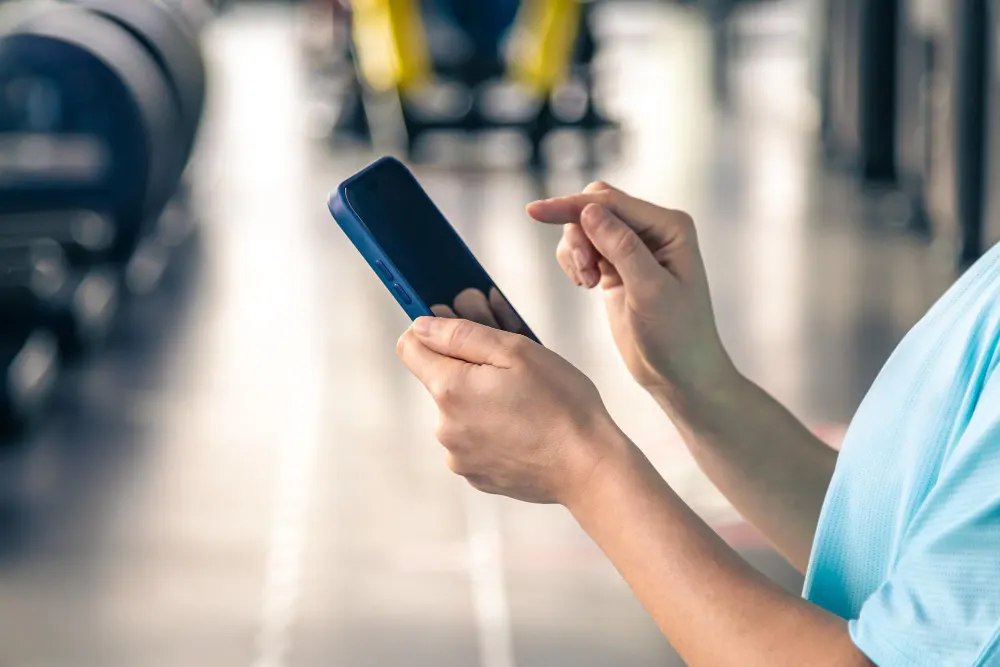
column 703, row 399
column 615, row 458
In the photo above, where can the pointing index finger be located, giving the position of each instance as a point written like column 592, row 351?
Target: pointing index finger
column 657, row 226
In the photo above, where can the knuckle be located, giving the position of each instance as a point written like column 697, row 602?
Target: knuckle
column 454, row 464
column 460, row 334
column 441, row 433
column 402, row 343
column 452, row 436
column 564, row 250
column 627, row 243
column 597, row 186
column 683, row 223
column 517, row 348
column 443, row 392
column 605, row 198
column 445, row 435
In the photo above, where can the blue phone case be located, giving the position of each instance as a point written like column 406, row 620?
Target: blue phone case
column 369, row 248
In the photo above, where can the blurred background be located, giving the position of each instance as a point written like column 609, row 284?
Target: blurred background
column 210, row 454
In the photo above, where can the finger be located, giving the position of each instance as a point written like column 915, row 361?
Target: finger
column 610, row 277
column 466, row 341
column 583, row 255
column 508, row 317
column 622, row 247
column 472, row 304
column 427, row 365
column 564, row 255
column 441, row 310
column 597, row 186
column 656, row 226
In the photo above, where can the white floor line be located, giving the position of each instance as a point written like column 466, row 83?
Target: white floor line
column 282, row 583
column 489, row 592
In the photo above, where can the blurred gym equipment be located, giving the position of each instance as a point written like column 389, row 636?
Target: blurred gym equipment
column 955, row 169
column 991, row 215
column 904, row 102
column 918, row 24
column 858, row 90
column 32, row 291
column 448, row 65
column 100, row 105
column 173, row 43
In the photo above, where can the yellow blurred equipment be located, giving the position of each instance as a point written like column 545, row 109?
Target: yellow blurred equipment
column 390, row 44
column 543, row 40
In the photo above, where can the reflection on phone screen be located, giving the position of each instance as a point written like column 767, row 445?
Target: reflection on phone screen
column 493, row 311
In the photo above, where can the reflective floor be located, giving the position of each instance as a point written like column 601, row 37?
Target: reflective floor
column 246, row 476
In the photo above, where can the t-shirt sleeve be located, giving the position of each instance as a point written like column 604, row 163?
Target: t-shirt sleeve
column 940, row 605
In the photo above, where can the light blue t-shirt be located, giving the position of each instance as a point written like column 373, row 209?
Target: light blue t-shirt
column 908, row 543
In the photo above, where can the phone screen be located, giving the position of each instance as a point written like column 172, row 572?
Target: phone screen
column 426, row 248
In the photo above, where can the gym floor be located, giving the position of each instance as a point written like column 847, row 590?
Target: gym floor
column 246, row 476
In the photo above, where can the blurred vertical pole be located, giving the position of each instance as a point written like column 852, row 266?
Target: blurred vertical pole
column 878, row 93
column 858, row 73
column 970, row 125
column 719, row 13
column 991, row 215
column 919, row 22
column 955, row 170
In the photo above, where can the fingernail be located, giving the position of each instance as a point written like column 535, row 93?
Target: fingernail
column 579, row 260
column 423, row 325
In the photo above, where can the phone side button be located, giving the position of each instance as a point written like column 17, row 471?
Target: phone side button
column 401, row 293
column 383, row 269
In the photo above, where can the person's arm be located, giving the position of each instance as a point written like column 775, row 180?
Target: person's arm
column 770, row 466
column 713, row 607
column 646, row 260
column 518, row 420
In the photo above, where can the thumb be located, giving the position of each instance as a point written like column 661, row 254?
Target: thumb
column 621, row 246
column 465, row 340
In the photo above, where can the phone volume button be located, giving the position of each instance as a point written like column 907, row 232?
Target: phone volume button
column 401, row 293
column 383, row 269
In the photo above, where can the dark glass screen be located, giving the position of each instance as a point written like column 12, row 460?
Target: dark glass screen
column 414, row 234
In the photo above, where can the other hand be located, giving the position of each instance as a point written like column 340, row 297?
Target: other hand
column 516, row 419
column 646, row 260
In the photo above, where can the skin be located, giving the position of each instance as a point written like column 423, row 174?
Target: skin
column 518, row 420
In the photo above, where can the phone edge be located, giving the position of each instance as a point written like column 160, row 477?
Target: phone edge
column 359, row 235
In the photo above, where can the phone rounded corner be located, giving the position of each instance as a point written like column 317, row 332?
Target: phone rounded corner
column 337, row 202
column 387, row 159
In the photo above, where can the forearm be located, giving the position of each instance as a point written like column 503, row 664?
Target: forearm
column 763, row 459
column 714, row 608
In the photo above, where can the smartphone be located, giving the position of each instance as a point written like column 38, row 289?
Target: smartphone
column 415, row 251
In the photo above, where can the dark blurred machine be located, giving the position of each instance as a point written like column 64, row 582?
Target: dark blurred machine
column 916, row 34
column 904, row 103
column 955, row 187
column 991, row 225
column 468, row 66
column 858, row 94
column 100, row 104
